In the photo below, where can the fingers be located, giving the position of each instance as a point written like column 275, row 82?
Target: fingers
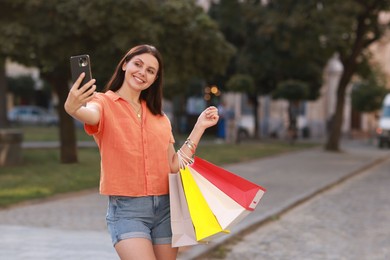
column 77, row 83
column 212, row 113
column 86, row 90
column 211, row 109
column 79, row 95
column 89, row 88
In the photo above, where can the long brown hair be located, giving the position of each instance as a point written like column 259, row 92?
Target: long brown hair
column 153, row 94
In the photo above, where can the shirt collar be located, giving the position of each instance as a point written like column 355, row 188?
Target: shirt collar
column 115, row 97
column 112, row 95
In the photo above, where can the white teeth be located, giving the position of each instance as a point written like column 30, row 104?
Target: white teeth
column 138, row 79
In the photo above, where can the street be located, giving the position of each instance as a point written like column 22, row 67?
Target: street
column 349, row 221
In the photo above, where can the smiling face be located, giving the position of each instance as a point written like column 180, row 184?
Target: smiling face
column 140, row 71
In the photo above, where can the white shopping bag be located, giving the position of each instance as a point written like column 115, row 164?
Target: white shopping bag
column 183, row 233
column 227, row 211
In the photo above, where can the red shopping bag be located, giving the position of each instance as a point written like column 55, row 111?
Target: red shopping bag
column 244, row 192
column 227, row 211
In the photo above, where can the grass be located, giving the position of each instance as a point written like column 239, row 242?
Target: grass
column 31, row 133
column 230, row 153
column 41, row 174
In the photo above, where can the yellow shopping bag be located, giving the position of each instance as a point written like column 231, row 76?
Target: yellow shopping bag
column 205, row 223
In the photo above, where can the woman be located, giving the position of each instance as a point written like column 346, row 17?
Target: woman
column 137, row 151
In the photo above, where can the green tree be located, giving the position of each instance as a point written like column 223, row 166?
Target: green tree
column 52, row 31
column 245, row 84
column 367, row 96
column 288, row 39
column 230, row 16
column 22, row 87
column 3, row 95
column 283, row 43
column 294, row 91
column 241, row 82
column 276, row 42
column 353, row 27
column 8, row 26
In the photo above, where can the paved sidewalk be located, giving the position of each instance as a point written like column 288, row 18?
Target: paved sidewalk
column 73, row 227
column 348, row 221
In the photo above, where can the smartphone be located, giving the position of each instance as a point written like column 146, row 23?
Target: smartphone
column 78, row 65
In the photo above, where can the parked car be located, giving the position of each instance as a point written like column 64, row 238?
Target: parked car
column 383, row 130
column 32, row 115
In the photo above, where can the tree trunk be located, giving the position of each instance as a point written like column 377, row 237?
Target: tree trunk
column 293, row 112
column 3, row 96
column 255, row 102
column 350, row 64
column 337, row 119
column 68, row 144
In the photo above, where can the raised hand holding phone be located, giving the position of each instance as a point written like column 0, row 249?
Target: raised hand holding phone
column 78, row 65
column 79, row 94
column 82, row 91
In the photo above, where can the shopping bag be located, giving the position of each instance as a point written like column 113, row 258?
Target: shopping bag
column 245, row 193
column 183, row 233
column 227, row 211
column 205, row 223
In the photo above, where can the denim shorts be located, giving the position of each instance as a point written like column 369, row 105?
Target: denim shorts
column 139, row 217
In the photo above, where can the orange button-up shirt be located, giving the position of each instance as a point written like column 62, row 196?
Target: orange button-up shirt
column 134, row 153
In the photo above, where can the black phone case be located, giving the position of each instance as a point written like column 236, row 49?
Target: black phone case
column 78, row 65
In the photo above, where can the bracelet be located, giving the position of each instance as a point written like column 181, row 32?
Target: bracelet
column 192, row 149
column 191, row 142
column 190, row 145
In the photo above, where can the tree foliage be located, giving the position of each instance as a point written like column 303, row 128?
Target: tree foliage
column 241, row 83
column 275, row 42
column 367, row 96
column 283, row 43
column 188, row 39
column 289, row 39
column 230, row 17
column 294, row 91
column 291, row 90
column 22, row 86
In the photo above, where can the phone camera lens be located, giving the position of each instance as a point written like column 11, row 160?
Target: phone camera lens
column 83, row 62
